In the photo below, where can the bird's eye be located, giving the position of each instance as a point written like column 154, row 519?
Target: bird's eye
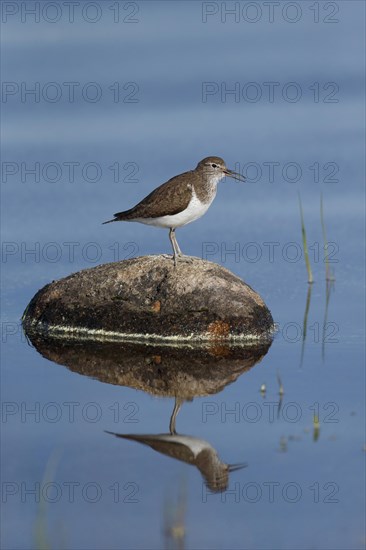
column 214, row 165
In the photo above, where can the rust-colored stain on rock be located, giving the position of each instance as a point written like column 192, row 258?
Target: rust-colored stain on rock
column 219, row 349
column 219, row 329
column 156, row 307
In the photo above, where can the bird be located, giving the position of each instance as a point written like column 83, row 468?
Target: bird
column 191, row 450
column 180, row 200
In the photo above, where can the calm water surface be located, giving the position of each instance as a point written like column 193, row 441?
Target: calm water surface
column 66, row 482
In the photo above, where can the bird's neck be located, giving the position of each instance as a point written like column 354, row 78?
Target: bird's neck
column 206, row 186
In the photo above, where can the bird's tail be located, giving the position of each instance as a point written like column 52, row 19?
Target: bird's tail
column 121, row 216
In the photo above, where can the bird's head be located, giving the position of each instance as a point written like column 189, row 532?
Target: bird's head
column 215, row 166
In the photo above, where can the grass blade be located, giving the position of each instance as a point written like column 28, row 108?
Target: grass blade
column 305, row 245
column 328, row 274
column 305, row 324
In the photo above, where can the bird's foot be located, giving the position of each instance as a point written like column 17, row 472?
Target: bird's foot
column 178, row 258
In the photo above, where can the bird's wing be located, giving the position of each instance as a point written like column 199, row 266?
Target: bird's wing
column 175, row 191
column 167, row 444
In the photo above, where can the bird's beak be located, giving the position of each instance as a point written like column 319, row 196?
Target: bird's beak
column 234, row 175
column 235, row 467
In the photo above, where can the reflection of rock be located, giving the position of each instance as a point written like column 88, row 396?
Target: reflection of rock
column 146, row 299
column 193, row 451
column 159, row 370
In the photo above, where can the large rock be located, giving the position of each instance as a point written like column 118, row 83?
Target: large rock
column 147, row 298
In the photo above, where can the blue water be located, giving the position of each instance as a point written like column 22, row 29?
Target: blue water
column 165, row 121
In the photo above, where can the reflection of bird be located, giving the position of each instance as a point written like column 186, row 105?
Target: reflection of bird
column 181, row 200
column 191, row 450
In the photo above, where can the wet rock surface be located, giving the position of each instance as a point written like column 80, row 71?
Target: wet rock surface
column 147, row 298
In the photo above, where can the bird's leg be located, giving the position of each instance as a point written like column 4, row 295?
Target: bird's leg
column 177, row 405
column 176, row 250
column 174, row 245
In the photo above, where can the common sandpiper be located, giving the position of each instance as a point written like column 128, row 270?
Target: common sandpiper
column 189, row 449
column 181, row 200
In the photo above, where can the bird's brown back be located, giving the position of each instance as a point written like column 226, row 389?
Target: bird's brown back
column 177, row 191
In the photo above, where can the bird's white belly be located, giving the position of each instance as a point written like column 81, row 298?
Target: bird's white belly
column 194, row 210
column 193, row 443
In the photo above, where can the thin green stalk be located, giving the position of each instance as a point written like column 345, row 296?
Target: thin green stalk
column 328, row 289
column 42, row 541
column 175, row 519
column 316, row 427
column 305, row 245
column 281, row 393
column 328, row 275
column 305, row 324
